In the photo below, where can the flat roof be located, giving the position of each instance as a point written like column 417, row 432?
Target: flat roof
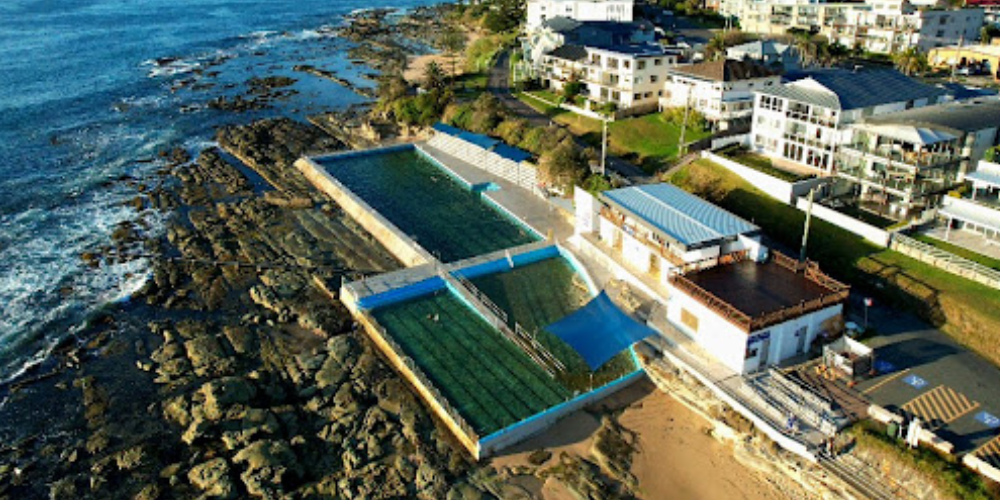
column 970, row 115
column 755, row 289
column 679, row 215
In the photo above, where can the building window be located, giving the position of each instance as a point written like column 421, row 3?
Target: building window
column 657, row 62
column 751, row 352
column 689, row 320
column 636, row 97
column 640, row 65
column 626, row 64
column 654, row 78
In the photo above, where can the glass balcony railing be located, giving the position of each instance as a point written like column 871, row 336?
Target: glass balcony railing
column 911, row 159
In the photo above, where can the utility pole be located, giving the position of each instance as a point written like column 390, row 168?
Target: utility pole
column 604, row 144
column 682, row 149
column 805, row 232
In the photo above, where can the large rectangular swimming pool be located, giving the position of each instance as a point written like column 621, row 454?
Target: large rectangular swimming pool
column 442, row 215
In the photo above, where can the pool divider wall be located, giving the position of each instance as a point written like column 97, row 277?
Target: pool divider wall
column 396, row 241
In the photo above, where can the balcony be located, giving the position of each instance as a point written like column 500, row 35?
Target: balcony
column 657, row 247
column 913, row 159
column 899, row 184
column 806, row 117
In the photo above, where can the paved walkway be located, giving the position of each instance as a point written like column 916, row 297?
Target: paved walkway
column 544, row 217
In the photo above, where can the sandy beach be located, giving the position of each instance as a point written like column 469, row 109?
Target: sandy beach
column 676, row 457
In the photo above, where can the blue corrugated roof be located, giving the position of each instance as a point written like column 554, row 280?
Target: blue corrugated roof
column 447, row 129
column 682, row 216
column 511, row 153
column 478, row 139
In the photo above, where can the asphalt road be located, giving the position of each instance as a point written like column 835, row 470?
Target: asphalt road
column 499, row 85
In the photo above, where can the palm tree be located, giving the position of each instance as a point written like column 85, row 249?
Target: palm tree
column 910, row 61
column 716, row 47
column 452, row 41
column 805, row 44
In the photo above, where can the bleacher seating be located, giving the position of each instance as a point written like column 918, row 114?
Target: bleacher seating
column 518, row 173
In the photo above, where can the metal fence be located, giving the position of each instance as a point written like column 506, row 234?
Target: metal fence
column 945, row 260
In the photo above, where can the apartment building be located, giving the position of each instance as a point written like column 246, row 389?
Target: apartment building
column 723, row 90
column 631, row 76
column 882, row 26
column 805, row 120
column 774, row 55
column 539, row 11
column 559, row 31
column 904, row 161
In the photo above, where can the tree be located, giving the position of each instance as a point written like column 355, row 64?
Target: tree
column 487, row 113
column 434, row 77
column 572, row 88
column 715, row 49
column 453, row 42
column 910, row 61
column 563, row 166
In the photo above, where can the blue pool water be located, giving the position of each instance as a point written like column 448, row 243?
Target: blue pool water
column 442, row 215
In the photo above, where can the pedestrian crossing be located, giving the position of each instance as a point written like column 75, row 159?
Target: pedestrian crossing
column 990, row 452
column 940, row 405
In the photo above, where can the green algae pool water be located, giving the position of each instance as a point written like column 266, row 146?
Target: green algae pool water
column 442, row 215
column 489, row 380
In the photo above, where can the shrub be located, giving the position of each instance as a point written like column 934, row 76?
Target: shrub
column 563, row 166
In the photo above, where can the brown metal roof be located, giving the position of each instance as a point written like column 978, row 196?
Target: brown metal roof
column 726, row 70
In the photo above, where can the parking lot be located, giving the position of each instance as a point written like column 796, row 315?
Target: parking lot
column 925, row 374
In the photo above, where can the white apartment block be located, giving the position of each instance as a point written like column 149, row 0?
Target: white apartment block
column 723, row 90
column 883, row 26
column 805, row 121
column 539, row 11
column 630, row 76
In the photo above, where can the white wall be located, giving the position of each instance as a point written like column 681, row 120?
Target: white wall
column 784, row 342
column 869, row 232
column 635, row 252
column 785, row 191
column 720, row 338
column 581, row 10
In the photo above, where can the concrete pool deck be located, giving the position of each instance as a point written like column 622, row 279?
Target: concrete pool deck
column 525, row 206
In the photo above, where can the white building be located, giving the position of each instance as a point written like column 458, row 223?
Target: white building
column 805, row 121
column 903, row 161
column 631, row 76
column 883, row 26
column 774, row 55
column 559, row 31
column 538, row 11
column 722, row 289
column 723, row 91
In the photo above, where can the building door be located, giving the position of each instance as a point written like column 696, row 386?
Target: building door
column 654, row 265
column 765, row 348
column 800, row 340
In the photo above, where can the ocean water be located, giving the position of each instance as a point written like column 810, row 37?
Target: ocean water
column 90, row 91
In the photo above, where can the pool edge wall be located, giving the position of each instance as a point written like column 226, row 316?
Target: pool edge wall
column 391, row 237
column 470, row 443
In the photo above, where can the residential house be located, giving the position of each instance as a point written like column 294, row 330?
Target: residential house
column 630, row 76
column 778, row 56
column 539, row 11
column 883, row 26
column 972, row 58
column 905, row 161
column 745, row 306
column 805, row 120
column 556, row 32
column 723, row 90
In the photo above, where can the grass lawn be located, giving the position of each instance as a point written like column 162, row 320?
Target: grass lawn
column 547, row 95
column 963, row 308
column 759, row 163
column 868, row 217
column 650, row 139
column 959, row 251
column 470, row 85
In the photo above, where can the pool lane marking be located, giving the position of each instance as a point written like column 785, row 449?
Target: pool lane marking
column 941, row 405
column 888, row 379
